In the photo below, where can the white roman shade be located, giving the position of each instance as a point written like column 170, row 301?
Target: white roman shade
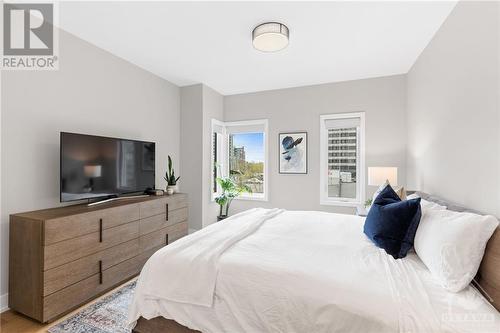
column 245, row 128
column 342, row 123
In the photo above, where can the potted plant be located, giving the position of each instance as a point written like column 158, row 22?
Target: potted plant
column 368, row 203
column 170, row 178
column 230, row 190
column 363, row 210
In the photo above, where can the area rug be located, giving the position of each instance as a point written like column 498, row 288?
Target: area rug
column 108, row 315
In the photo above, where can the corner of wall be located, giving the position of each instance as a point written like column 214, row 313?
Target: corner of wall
column 213, row 108
column 190, row 142
column 199, row 105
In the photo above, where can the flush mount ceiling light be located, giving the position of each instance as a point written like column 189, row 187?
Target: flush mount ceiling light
column 270, row 36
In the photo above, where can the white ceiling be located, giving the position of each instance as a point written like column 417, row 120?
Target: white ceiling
column 193, row 42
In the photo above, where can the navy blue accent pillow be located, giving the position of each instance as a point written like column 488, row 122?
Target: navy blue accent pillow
column 391, row 224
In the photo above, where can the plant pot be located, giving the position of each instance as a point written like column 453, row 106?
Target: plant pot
column 171, row 189
column 221, row 217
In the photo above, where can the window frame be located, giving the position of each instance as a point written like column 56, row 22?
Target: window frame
column 221, row 161
column 360, row 165
column 225, row 155
column 221, row 145
column 215, row 159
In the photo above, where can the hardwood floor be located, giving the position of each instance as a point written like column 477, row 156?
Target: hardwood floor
column 13, row 322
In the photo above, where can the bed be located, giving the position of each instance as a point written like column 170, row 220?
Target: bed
column 270, row 270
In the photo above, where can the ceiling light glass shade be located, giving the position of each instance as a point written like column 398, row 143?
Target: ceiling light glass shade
column 270, row 37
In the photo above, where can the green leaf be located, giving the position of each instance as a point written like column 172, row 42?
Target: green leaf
column 170, row 174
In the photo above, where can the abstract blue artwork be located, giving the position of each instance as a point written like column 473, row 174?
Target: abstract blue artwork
column 293, row 152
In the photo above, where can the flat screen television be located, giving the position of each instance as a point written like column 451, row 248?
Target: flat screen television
column 96, row 167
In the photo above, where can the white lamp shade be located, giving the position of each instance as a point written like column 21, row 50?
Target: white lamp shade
column 92, row 171
column 378, row 175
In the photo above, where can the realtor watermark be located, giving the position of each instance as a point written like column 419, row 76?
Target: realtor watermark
column 469, row 306
column 30, row 41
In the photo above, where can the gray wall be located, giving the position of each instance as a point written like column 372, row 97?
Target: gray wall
column 298, row 109
column 93, row 92
column 199, row 104
column 213, row 108
column 453, row 110
column 191, row 181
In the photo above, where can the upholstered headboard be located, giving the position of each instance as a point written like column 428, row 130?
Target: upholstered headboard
column 488, row 277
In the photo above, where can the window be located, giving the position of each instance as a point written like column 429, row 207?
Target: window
column 342, row 168
column 246, row 160
column 239, row 151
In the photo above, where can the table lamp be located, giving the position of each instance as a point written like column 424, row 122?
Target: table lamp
column 378, row 175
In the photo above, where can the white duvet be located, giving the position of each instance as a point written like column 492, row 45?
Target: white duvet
column 299, row 271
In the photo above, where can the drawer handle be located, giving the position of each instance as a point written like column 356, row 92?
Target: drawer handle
column 166, row 212
column 100, row 271
column 166, row 239
column 100, row 230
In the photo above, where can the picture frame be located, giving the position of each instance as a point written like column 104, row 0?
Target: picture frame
column 293, row 153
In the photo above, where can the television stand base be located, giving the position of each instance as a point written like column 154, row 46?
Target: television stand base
column 117, row 198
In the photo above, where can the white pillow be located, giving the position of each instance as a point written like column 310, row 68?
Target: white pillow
column 452, row 244
column 425, row 204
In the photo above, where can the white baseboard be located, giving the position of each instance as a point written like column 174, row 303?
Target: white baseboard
column 4, row 302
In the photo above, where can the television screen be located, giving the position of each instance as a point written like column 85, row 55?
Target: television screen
column 96, row 167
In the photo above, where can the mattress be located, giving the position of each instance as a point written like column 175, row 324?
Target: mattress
column 299, row 271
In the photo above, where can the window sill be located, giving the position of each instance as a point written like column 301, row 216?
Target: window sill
column 326, row 202
column 263, row 198
column 246, row 198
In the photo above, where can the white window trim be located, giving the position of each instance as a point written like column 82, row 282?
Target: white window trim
column 323, row 162
column 217, row 123
column 224, row 171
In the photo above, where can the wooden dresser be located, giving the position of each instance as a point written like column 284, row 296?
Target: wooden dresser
column 61, row 258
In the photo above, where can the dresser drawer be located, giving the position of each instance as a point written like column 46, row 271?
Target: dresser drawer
column 61, row 258
column 71, row 297
column 157, row 222
column 76, row 248
column 159, row 206
column 75, row 271
column 159, row 237
column 177, row 231
column 59, row 229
